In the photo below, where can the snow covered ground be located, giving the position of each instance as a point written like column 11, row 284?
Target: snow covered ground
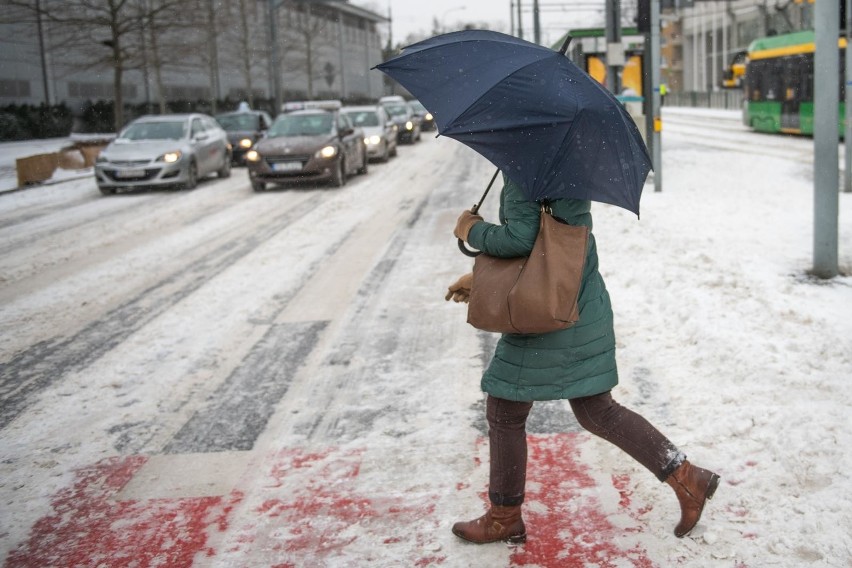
column 209, row 379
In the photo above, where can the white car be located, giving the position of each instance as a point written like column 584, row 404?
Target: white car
column 379, row 130
column 164, row 150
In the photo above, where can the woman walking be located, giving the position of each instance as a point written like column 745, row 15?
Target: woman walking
column 577, row 364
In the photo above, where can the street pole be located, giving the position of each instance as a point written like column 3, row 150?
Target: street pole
column 536, row 23
column 826, row 103
column 520, row 22
column 614, row 49
column 274, row 66
column 41, row 53
column 656, row 99
column 847, row 135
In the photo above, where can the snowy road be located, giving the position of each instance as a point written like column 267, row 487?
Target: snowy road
column 224, row 378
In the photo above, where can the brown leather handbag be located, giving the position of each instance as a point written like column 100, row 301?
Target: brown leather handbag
column 534, row 294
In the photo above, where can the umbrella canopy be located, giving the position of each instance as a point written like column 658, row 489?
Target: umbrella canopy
column 531, row 111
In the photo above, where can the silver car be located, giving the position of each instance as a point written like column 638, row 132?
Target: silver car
column 379, row 130
column 164, row 150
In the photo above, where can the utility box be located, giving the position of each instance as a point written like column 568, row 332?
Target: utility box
column 36, row 169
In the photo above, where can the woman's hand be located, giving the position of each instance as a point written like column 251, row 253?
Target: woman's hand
column 459, row 291
column 466, row 220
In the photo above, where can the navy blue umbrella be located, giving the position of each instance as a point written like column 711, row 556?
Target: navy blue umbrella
column 531, row 111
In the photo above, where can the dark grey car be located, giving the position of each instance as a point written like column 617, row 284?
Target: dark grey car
column 244, row 128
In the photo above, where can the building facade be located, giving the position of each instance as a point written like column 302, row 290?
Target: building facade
column 699, row 42
column 212, row 49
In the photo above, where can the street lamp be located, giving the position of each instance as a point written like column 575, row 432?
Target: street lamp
column 444, row 15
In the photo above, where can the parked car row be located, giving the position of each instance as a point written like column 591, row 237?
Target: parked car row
column 314, row 141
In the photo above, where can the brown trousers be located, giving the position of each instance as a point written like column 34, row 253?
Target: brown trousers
column 598, row 414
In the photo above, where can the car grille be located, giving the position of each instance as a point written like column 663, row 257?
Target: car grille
column 149, row 173
column 286, row 158
column 130, row 163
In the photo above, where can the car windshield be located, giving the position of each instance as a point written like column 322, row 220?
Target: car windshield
column 161, row 130
column 237, row 121
column 418, row 106
column 302, row 125
column 396, row 110
column 363, row 117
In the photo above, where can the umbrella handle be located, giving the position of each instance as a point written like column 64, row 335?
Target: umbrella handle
column 468, row 252
column 475, row 209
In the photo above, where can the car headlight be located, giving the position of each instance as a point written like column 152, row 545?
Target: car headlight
column 374, row 140
column 252, row 156
column 429, row 116
column 327, row 152
column 170, row 157
column 409, row 125
column 101, row 159
column 246, row 143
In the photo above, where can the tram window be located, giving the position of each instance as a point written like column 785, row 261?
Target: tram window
column 807, row 79
column 792, row 77
column 756, row 79
column 771, row 82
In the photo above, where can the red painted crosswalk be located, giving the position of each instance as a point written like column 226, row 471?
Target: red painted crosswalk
column 313, row 508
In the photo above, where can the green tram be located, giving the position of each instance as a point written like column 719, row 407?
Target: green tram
column 779, row 84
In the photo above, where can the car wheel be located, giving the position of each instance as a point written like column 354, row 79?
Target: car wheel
column 225, row 170
column 191, row 176
column 258, row 186
column 394, row 152
column 338, row 177
column 365, row 165
column 385, row 153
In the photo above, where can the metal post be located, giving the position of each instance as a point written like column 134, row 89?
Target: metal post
column 714, row 50
column 511, row 17
column 340, row 36
column 536, row 23
column 274, row 66
column 847, row 136
column 826, row 103
column 41, row 53
column 614, row 49
column 520, row 22
column 656, row 134
column 725, row 60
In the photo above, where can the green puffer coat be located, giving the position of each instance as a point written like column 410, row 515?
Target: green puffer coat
column 570, row 363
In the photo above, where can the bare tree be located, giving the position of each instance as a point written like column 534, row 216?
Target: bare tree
column 103, row 34
column 238, row 41
column 307, row 24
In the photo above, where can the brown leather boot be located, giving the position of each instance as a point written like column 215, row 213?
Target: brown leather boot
column 693, row 486
column 498, row 523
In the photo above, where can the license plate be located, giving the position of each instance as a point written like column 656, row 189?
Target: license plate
column 129, row 173
column 287, row 167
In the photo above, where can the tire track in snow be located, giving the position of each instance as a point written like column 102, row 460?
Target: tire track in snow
column 46, row 362
column 241, row 407
column 117, row 224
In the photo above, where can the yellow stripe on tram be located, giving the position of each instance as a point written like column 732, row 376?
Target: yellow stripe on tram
column 790, row 50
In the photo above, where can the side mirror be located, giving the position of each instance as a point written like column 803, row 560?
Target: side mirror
column 346, row 131
column 200, row 136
